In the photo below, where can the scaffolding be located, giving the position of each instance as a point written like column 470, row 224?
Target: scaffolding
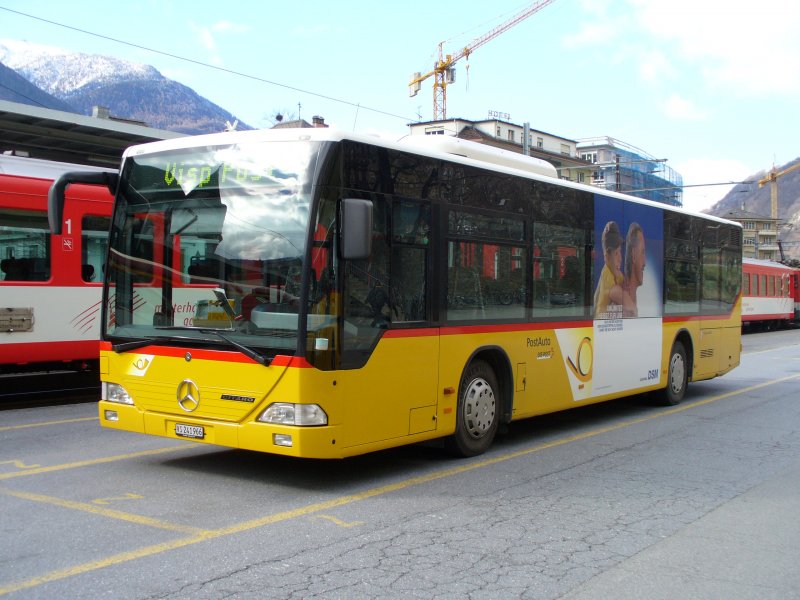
column 622, row 167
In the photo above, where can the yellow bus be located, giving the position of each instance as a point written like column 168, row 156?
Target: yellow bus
column 315, row 293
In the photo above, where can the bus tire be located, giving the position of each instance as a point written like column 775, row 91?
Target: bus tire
column 677, row 376
column 478, row 411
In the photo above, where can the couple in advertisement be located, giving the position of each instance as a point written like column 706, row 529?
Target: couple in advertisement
column 616, row 291
column 622, row 349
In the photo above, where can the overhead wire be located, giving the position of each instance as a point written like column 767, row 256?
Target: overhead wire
column 355, row 105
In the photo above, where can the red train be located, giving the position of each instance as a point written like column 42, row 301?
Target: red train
column 770, row 294
column 50, row 286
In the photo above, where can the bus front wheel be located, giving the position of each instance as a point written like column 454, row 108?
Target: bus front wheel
column 677, row 376
column 477, row 413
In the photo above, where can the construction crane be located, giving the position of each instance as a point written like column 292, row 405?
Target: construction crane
column 443, row 70
column 772, row 179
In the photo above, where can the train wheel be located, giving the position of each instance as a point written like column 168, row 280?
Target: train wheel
column 478, row 412
column 677, row 376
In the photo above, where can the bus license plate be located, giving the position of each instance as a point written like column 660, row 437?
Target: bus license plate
column 189, row 431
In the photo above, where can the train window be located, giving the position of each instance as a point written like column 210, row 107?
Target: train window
column 24, row 246
column 94, row 246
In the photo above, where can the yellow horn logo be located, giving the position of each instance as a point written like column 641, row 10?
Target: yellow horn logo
column 584, row 359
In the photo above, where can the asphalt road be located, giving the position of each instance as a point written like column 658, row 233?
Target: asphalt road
column 621, row 500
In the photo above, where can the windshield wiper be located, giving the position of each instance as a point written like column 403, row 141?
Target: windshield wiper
column 246, row 350
column 132, row 345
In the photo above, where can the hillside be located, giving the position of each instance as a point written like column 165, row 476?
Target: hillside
column 130, row 90
column 15, row 88
column 756, row 200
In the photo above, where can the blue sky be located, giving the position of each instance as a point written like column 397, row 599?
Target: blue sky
column 711, row 85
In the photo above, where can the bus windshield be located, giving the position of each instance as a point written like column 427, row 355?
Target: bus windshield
column 208, row 245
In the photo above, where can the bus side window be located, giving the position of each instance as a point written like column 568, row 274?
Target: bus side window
column 410, row 230
column 408, row 283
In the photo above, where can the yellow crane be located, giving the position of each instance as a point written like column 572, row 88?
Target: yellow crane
column 443, row 71
column 772, row 179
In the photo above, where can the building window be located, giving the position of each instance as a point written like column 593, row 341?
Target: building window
column 510, row 135
column 498, row 131
column 539, row 142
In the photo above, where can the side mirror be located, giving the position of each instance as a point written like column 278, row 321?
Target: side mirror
column 55, row 197
column 356, row 228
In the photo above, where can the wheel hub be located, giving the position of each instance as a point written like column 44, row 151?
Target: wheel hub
column 479, row 408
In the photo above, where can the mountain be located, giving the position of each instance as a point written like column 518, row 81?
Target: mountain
column 753, row 199
column 15, row 88
column 130, row 90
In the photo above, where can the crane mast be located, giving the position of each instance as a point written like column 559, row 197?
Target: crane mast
column 443, row 71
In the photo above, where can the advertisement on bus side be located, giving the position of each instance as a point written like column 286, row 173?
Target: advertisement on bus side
column 622, row 349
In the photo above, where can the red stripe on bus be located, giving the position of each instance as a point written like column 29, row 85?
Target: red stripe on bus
column 224, row 355
column 515, row 327
column 685, row 319
column 174, row 352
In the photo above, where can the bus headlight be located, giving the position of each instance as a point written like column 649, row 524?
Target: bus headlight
column 285, row 413
column 114, row 392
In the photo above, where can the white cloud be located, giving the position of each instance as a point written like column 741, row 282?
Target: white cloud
column 749, row 48
column 654, row 66
column 679, row 108
column 205, row 36
column 699, row 175
column 744, row 48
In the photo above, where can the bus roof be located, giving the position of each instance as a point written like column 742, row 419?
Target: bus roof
column 434, row 146
column 23, row 166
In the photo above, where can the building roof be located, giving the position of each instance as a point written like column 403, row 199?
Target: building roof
column 746, row 215
column 69, row 137
column 473, row 123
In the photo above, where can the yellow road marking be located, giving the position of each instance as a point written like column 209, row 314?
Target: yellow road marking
column 19, row 464
column 351, row 498
column 95, row 461
column 339, row 522
column 47, row 423
column 105, row 512
column 128, row 496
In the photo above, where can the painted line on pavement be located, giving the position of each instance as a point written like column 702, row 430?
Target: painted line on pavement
column 319, row 507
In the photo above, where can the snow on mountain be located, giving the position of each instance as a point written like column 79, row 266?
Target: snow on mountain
column 130, row 90
column 61, row 72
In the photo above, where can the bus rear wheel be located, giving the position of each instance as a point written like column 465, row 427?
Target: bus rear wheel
column 478, row 412
column 677, row 376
